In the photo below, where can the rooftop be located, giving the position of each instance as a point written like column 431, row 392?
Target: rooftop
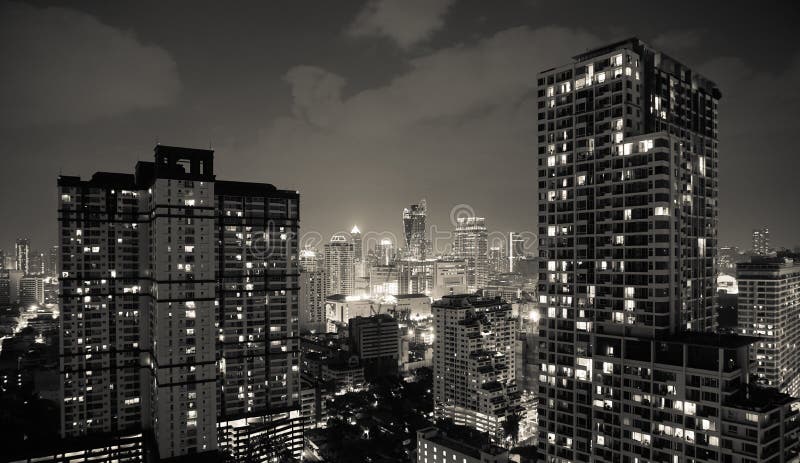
column 698, row 338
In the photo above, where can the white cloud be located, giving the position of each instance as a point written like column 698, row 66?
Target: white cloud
column 407, row 22
column 61, row 65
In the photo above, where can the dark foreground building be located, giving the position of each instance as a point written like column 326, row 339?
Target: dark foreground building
column 179, row 313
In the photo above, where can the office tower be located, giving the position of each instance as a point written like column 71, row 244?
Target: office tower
column 769, row 307
column 414, row 229
column 449, row 277
column 516, row 250
column 761, row 242
column 473, row 362
column 339, row 270
column 471, row 245
column 497, row 261
column 179, row 309
column 436, row 446
column 31, row 290
column 355, row 235
column 22, row 251
column 627, row 227
column 376, row 341
column 52, row 262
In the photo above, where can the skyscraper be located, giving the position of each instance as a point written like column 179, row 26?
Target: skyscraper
column 355, row 235
column 52, row 262
column 414, row 229
column 471, row 246
column 761, row 241
column 769, row 307
column 473, row 362
column 179, row 308
column 627, row 159
column 449, row 277
column 497, row 261
column 312, row 291
column 22, row 252
column 339, row 269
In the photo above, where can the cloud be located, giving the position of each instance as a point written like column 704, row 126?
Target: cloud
column 407, row 22
column 458, row 116
column 61, row 65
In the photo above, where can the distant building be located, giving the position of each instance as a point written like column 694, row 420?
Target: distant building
column 22, row 253
column 474, row 362
column 449, row 277
column 516, row 250
column 339, row 309
column 497, row 260
column 383, row 280
column 339, row 266
column 415, row 275
column 311, row 300
column 769, row 307
column 376, row 341
column 414, row 230
column 415, row 305
column 358, row 252
column 31, row 290
column 761, row 245
column 52, row 262
column 471, row 246
column 435, row 446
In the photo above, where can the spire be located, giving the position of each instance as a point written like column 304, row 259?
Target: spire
column 355, row 230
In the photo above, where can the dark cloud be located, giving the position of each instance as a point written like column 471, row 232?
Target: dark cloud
column 678, row 40
column 458, row 126
column 406, row 22
column 61, row 65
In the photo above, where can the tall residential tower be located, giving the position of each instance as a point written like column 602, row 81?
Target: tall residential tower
column 179, row 309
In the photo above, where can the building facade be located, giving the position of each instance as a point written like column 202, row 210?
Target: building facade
column 769, row 307
column 627, row 213
column 414, row 230
column 179, row 308
column 474, row 362
column 339, row 266
column 376, row 341
column 449, row 277
column 22, row 254
column 472, row 246
column 761, row 241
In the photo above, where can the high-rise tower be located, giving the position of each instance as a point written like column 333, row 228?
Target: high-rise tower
column 179, row 309
column 414, row 229
column 22, row 253
column 471, row 245
column 627, row 208
column 761, row 241
column 339, row 268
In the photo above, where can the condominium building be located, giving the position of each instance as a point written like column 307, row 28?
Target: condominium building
column 761, row 241
column 473, row 362
column 627, row 209
column 339, row 266
column 179, row 309
column 769, row 307
column 471, row 246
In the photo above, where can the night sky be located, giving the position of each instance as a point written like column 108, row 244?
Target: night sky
column 367, row 107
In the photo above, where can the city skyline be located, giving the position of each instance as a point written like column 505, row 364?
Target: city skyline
column 347, row 68
column 427, row 231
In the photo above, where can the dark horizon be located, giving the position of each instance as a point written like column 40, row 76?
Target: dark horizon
column 365, row 112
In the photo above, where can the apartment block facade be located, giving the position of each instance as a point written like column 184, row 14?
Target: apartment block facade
column 179, row 308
